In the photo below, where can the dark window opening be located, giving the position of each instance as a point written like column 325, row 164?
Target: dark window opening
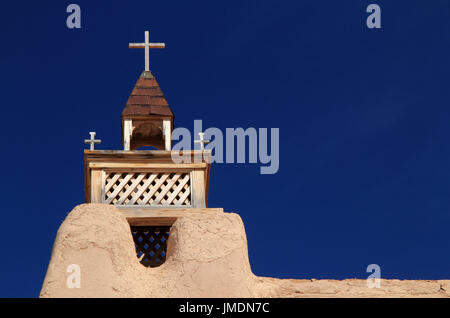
column 151, row 244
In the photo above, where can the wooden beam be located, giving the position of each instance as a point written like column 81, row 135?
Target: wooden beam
column 144, row 155
column 130, row 165
column 162, row 216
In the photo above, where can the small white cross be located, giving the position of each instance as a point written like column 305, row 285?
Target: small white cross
column 202, row 141
column 92, row 141
column 146, row 45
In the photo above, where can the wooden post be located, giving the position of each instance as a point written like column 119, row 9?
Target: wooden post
column 96, row 186
column 127, row 131
column 167, row 132
column 198, row 189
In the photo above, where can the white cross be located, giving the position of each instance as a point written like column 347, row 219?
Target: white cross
column 202, row 141
column 146, row 45
column 92, row 141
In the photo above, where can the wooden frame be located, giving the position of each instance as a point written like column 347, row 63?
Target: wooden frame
column 129, row 123
column 163, row 217
column 98, row 163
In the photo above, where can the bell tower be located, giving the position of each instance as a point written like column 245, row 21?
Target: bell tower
column 147, row 119
column 148, row 186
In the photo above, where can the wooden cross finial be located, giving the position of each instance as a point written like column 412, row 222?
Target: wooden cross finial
column 146, row 45
column 201, row 141
column 92, row 141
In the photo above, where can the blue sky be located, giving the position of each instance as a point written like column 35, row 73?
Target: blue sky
column 363, row 115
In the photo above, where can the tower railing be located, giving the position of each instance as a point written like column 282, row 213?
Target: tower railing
column 145, row 179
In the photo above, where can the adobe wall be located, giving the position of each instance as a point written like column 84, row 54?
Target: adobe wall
column 207, row 257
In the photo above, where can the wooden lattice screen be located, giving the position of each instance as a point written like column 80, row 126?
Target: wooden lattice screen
column 151, row 241
column 147, row 189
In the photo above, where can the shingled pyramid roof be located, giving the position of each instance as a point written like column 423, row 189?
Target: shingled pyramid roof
column 147, row 99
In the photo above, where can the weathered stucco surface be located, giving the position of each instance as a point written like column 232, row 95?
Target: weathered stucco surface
column 206, row 257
